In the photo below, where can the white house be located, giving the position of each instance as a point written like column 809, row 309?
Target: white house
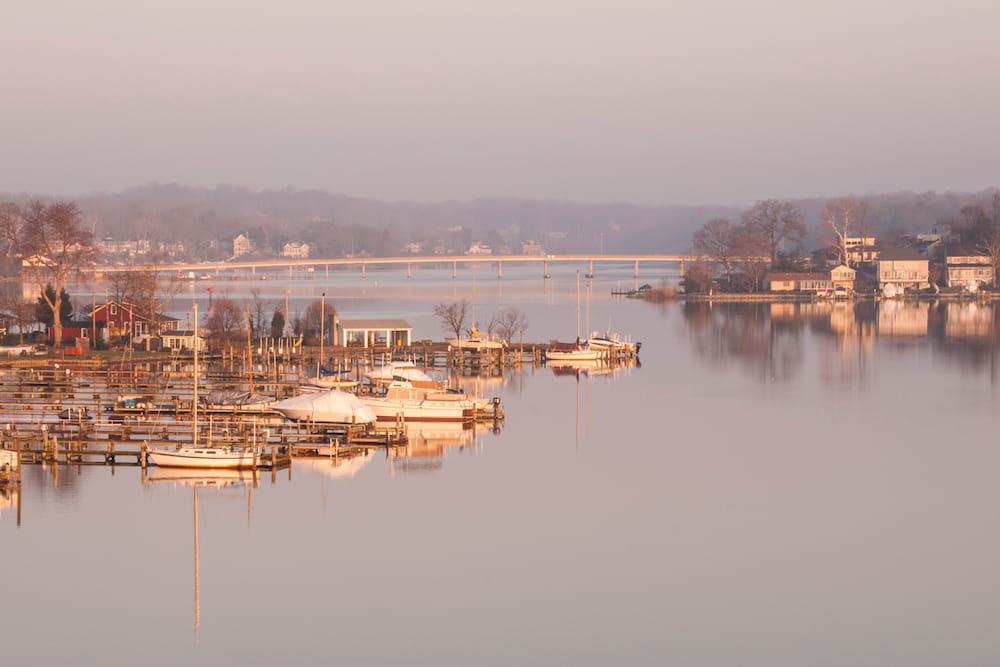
column 295, row 250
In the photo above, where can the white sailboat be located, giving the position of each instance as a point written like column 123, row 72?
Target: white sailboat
column 209, row 455
column 578, row 351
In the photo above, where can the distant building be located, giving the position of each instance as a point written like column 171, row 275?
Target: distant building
column 125, row 248
column 531, row 248
column 861, row 250
column 479, row 248
column 797, row 282
column 177, row 340
column 241, row 246
column 295, row 250
column 902, row 267
column 962, row 266
column 843, row 276
column 414, row 248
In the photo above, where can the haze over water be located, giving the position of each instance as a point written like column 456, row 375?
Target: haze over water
column 775, row 485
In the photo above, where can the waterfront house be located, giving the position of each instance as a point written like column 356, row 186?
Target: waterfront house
column 120, row 318
column 178, row 339
column 797, row 282
column 902, row 267
column 963, row 266
column 843, row 276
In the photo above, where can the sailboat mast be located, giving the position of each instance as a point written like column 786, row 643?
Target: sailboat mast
column 578, row 306
column 194, row 407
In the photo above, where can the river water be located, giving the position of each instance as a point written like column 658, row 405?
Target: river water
column 786, row 484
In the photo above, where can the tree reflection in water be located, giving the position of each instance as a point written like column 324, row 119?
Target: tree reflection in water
column 769, row 340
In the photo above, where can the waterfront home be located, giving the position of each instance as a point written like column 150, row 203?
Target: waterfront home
column 843, row 276
column 797, row 282
column 180, row 339
column 963, row 266
column 903, row 267
column 121, row 318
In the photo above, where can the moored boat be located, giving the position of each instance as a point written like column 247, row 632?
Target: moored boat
column 207, row 456
column 332, row 406
column 402, row 399
column 571, row 352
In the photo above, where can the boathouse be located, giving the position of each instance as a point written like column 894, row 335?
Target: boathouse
column 371, row 333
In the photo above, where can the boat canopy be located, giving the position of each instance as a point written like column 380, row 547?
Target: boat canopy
column 332, row 406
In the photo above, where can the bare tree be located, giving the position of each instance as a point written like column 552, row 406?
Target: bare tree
column 453, row 316
column 16, row 308
column 841, row 217
column 151, row 289
column 511, row 321
column 715, row 241
column 226, row 320
column 775, row 221
column 258, row 307
column 52, row 243
column 748, row 250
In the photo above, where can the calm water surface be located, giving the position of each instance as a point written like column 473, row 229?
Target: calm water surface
column 775, row 485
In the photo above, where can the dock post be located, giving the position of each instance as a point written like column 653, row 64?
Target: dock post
column 499, row 269
column 454, row 270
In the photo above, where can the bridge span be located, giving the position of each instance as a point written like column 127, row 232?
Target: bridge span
column 363, row 262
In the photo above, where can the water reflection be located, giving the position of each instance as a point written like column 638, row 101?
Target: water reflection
column 429, row 444
column 768, row 340
column 210, row 480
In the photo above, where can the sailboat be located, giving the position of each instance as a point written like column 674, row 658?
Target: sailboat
column 578, row 351
column 209, row 455
column 477, row 340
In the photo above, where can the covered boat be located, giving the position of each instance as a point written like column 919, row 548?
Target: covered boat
column 406, row 400
column 326, row 407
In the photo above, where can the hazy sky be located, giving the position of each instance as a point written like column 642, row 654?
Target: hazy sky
column 677, row 101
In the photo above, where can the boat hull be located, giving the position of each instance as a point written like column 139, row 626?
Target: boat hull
column 421, row 411
column 205, row 457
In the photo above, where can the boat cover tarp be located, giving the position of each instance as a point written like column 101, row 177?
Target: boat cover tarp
column 235, row 397
column 333, row 406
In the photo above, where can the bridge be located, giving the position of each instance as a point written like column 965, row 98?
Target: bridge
column 364, row 262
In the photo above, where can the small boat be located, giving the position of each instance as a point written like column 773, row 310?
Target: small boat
column 479, row 341
column 76, row 413
column 404, row 399
column 207, row 456
column 238, row 402
column 572, row 352
column 332, row 406
column 327, row 379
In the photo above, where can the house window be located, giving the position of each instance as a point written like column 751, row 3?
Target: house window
column 114, row 309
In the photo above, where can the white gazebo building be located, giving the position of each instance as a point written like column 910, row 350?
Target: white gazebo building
column 372, row 333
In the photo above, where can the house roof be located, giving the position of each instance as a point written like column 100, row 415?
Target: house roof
column 374, row 324
column 185, row 333
column 798, row 276
column 901, row 255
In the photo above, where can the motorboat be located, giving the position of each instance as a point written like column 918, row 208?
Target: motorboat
column 332, row 406
column 404, row 399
